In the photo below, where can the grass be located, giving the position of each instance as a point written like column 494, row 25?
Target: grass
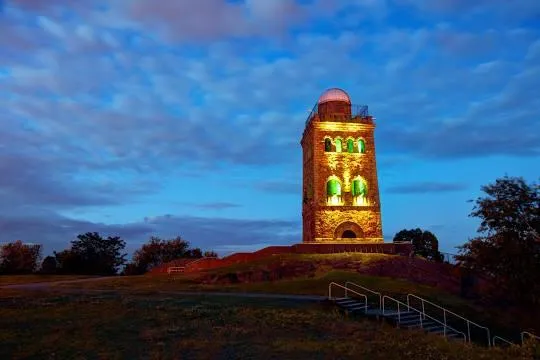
column 504, row 324
column 133, row 326
column 27, row 279
column 398, row 288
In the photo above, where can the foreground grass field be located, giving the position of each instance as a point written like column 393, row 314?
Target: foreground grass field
column 27, row 279
column 133, row 326
column 502, row 323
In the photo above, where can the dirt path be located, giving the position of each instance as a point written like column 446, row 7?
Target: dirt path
column 45, row 284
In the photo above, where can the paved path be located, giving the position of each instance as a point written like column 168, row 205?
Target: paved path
column 47, row 286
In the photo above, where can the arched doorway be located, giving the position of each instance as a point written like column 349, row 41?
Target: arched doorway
column 348, row 230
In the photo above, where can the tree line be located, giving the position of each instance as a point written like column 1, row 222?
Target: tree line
column 506, row 251
column 92, row 254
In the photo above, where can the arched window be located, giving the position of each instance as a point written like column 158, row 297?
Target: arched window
column 338, row 145
column 350, row 145
column 361, row 146
column 333, row 192
column 327, row 145
column 359, row 191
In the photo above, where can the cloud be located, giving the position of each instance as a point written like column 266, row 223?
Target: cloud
column 279, row 187
column 489, row 9
column 107, row 104
column 55, row 231
column 212, row 205
column 426, row 187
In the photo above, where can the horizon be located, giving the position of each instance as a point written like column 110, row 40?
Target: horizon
column 135, row 120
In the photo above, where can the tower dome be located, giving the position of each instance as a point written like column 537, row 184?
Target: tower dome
column 334, row 94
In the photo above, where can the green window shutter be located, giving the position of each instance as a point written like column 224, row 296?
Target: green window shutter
column 350, row 146
column 355, row 187
column 361, row 146
column 363, row 188
column 333, row 187
column 327, row 145
column 359, row 188
column 338, row 145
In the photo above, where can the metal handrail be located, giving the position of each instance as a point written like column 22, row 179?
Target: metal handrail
column 345, row 288
column 501, row 339
column 398, row 310
column 171, row 269
column 445, row 311
column 366, row 289
column 529, row 335
column 420, row 314
column 197, row 260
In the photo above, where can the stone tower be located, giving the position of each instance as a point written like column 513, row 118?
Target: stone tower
column 340, row 202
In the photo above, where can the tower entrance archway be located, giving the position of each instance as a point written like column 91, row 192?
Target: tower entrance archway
column 348, row 230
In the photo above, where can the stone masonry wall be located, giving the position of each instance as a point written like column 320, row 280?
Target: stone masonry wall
column 319, row 219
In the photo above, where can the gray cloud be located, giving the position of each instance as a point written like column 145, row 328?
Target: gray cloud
column 426, row 187
column 55, row 231
column 98, row 111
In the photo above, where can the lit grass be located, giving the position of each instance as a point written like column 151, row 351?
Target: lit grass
column 132, row 327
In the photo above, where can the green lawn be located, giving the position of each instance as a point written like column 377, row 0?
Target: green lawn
column 134, row 326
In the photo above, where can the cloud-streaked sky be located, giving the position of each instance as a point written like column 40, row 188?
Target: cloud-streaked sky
column 181, row 117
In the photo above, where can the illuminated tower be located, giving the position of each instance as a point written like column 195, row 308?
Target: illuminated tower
column 340, row 189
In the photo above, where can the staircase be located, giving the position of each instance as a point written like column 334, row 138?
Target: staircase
column 361, row 301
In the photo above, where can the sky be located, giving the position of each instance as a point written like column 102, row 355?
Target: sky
column 141, row 117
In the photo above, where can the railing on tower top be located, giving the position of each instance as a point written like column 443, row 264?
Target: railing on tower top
column 359, row 114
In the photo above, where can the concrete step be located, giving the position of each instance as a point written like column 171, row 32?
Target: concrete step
column 347, row 302
column 356, row 307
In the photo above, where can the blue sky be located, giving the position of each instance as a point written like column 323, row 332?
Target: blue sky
column 181, row 117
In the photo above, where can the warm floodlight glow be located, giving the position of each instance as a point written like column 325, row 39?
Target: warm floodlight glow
column 340, row 177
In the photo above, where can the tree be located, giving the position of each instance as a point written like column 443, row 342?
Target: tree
column 424, row 243
column 210, row 254
column 49, row 265
column 19, row 258
column 508, row 248
column 158, row 251
column 92, row 254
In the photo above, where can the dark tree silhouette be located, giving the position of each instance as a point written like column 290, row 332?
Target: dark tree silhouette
column 211, row 254
column 425, row 243
column 19, row 258
column 508, row 248
column 92, row 254
column 158, row 251
column 49, row 265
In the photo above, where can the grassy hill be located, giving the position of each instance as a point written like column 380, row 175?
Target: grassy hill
column 121, row 326
column 149, row 317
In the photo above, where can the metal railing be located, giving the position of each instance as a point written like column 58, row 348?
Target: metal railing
column 501, row 339
column 398, row 309
column 175, row 269
column 531, row 335
column 366, row 289
column 445, row 311
column 197, row 260
column 358, row 113
column 346, row 291
column 421, row 316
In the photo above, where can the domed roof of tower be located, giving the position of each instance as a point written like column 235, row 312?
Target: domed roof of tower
column 334, row 94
